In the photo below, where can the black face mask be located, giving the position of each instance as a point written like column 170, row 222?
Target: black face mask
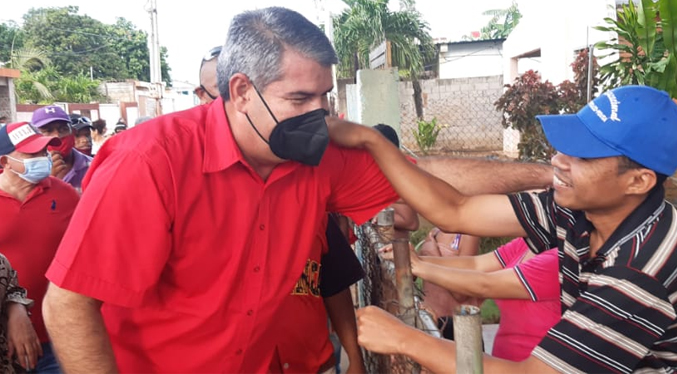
column 303, row 138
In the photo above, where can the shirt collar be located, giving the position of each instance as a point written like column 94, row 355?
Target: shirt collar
column 221, row 151
column 80, row 160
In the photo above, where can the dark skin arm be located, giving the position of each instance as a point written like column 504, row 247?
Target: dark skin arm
column 342, row 315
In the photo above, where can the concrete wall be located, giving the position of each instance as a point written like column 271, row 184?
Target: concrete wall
column 7, row 99
column 463, row 107
column 374, row 98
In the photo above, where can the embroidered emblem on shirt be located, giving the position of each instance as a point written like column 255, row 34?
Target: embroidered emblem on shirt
column 309, row 283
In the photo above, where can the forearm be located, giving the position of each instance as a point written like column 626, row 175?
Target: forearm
column 77, row 331
column 342, row 316
column 503, row 284
column 429, row 196
column 459, row 262
column 480, row 176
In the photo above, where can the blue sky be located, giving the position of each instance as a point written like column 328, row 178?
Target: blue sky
column 190, row 28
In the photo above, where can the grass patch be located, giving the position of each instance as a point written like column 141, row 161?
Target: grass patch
column 490, row 312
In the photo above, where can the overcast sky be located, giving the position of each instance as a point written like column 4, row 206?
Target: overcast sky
column 190, row 28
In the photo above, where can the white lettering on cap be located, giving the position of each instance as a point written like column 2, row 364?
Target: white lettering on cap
column 21, row 133
column 50, row 110
column 613, row 102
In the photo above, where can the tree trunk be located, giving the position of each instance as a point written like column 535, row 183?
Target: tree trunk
column 418, row 98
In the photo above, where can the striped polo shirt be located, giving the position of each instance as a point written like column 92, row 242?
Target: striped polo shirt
column 618, row 308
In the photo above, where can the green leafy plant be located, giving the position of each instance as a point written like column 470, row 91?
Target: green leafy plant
column 529, row 96
column 426, row 134
column 646, row 45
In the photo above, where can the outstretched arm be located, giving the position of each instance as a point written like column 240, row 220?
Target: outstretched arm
column 381, row 332
column 342, row 315
column 436, row 200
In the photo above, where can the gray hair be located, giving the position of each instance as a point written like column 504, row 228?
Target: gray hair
column 258, row 38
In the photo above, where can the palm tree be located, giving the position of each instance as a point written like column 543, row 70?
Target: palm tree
column 368, row 23
column 502, row 23
column 36, row 73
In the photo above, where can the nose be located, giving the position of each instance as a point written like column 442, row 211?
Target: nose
column 560, row 161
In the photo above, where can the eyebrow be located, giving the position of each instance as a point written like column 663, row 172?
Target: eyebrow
column 306, row 93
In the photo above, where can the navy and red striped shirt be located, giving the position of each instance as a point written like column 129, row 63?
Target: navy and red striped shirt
column 618, row 307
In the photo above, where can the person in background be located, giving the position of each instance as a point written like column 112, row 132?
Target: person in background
column 119, row 127
column 19, row 344
column 521, row 282
column 36, row 209
column 438, row 300
column 83, row 133
column 98, row 135
column 68, row 164
column 208, row 89
column 3, row 120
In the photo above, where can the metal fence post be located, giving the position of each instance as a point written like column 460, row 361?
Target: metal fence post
column 404, row 281
column 468, row 338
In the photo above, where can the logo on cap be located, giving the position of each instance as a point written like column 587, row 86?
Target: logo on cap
column 21, row 133
column 613, row 102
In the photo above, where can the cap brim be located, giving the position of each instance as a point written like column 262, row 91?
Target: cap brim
column 82, row 126
column 38, row 143
column 569, row 135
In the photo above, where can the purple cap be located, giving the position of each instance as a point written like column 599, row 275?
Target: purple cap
column 49, row 114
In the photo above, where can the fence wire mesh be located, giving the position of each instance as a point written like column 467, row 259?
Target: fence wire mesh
column 379, row 288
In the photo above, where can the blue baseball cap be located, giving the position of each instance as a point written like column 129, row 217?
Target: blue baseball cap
column 638, row 122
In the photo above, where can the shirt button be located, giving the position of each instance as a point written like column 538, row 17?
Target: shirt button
column 238, row 352
column 262, row 227
column 250, row 312
column 256, row 269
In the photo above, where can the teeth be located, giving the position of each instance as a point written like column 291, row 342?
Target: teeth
column 558, row 182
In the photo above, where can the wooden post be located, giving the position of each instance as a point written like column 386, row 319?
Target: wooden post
column 404, row 281
column 468, row 338
column 385, row 225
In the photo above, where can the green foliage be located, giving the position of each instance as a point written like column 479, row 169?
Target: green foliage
column 646, row 46
column 11, row 38
column 75, row 42
column 502, row 23
column 529, row 96
column 367, row 23
column 490, row 312
column 426, row 134
column 78, row 89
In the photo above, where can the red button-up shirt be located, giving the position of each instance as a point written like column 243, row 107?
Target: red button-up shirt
column 30, row 232
column 191, row 251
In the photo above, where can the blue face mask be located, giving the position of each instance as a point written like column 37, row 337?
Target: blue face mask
column 37, row 168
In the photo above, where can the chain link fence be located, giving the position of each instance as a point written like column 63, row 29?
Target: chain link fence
column 380, row 288
column 464, row 110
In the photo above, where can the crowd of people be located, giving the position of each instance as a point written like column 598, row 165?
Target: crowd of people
column 215, row 240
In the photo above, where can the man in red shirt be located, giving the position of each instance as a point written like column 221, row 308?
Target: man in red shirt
column 196, row 225
column 35, row 210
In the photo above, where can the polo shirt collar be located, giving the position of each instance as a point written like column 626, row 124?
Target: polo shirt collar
column 645, row 213
column 221, row 151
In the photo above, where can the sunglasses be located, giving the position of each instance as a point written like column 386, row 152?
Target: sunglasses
column 212, row 54
column 83, row 120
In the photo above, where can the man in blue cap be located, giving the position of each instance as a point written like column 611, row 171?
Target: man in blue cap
column 605, row 212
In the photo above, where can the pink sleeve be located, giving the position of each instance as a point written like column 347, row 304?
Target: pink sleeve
column 540, row 276
column 511, row 253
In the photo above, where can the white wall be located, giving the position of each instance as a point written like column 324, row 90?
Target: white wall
column 472, row 59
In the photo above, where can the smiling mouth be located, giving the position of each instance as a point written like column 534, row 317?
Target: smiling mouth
column 558, row 182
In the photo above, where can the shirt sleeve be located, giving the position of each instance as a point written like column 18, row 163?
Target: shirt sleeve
column 536, row 214
column 611, row 326
column 340, row 266
column 510, row 252
column 119, row 237
column 359, row 189
column 540, row 276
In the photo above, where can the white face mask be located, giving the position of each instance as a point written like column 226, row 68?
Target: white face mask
column 36, row 169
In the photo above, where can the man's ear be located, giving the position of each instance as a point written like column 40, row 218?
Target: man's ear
column 4, row 161
column 641, row 181
column 239, row 86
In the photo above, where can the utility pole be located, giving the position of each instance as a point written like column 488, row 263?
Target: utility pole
column 154, row 47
